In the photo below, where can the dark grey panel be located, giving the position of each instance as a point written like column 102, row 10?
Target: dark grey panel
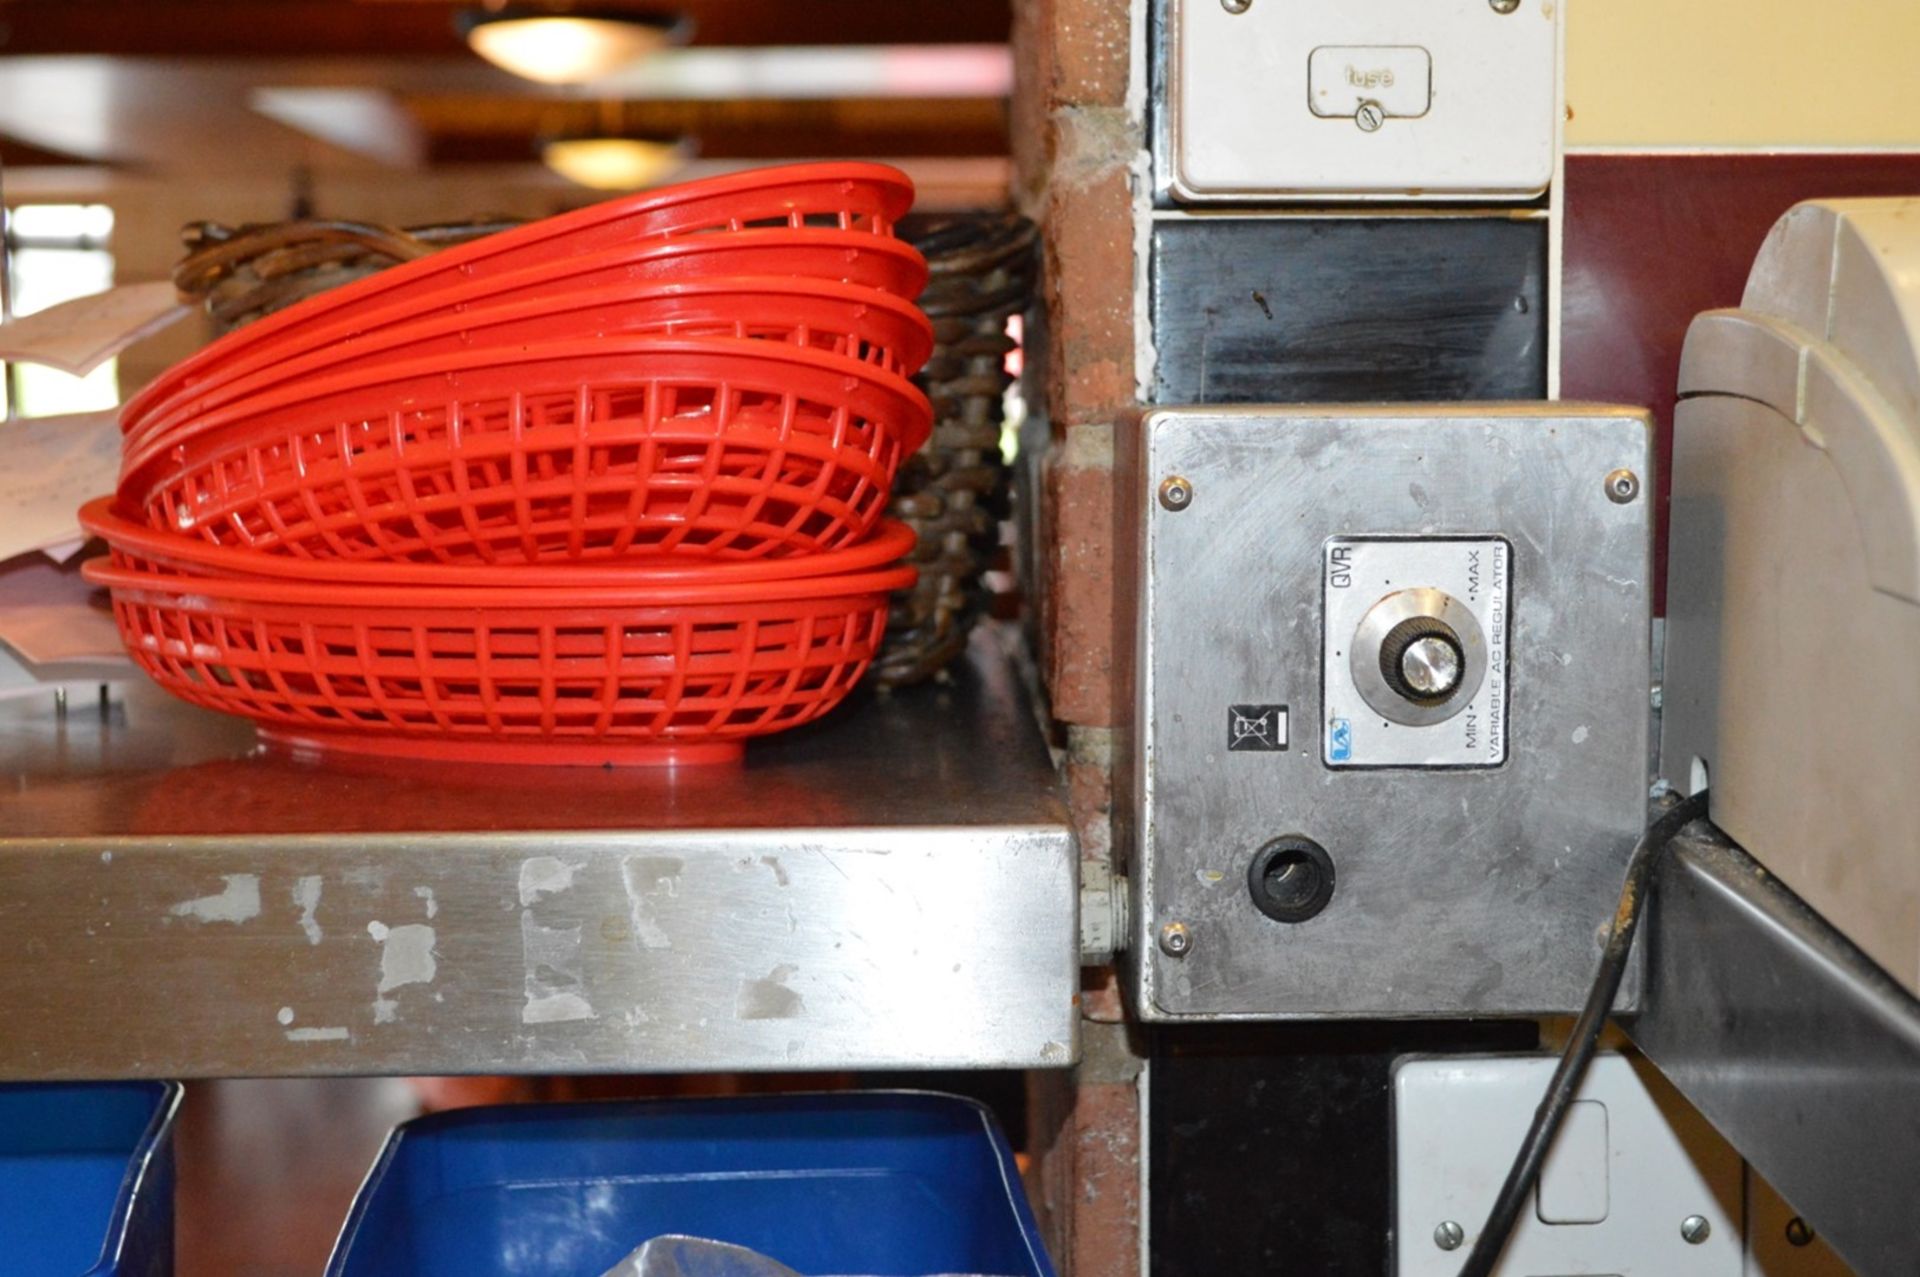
column 1349, row 309
column 1271, row 1147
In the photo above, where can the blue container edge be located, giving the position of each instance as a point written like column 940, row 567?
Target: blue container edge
column 1015, row 1189
column 155, row 1142
column 145, row 1175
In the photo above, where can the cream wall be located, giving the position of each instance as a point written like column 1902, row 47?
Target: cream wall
column 1743, row 73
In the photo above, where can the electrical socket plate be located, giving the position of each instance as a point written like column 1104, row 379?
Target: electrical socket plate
column 1459, row 1120
column 1362, row 99
column 1632, row 1162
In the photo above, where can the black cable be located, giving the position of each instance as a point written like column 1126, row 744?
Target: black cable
column 1582, row 1042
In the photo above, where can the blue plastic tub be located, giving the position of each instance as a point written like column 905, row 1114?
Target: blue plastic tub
column 86, row 1179
column 861, row 1182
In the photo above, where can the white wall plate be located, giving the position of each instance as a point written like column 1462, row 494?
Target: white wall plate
column 1635, row 1163
column 1363, row 99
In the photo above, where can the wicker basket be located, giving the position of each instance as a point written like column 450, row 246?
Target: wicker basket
column 955, row 491
column 246, row 273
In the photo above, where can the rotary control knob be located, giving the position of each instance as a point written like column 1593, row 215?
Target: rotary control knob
column 1421, row 659
column 1418, row 657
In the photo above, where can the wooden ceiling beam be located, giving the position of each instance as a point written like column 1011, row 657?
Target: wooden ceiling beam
column 17, row 154
column 461, row 129
column 424, row 28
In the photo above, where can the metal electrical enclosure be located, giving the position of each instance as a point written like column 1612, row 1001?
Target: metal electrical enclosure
column 1391, row 719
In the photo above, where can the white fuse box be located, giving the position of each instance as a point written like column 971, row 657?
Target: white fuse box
column 1362, row 99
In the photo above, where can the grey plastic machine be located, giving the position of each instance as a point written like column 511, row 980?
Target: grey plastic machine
column 1793, row 597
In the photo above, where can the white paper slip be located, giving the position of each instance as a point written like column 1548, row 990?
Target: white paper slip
column 65, row 550
column 20, row 678
column 78, row 336
column 50, row 466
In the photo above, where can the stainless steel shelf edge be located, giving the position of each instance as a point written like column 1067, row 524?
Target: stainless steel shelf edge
column 805, row 949
column 896, row 887
column 1803, row 1053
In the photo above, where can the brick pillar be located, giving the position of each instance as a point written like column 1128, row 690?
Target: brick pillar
column 1083, row 1133
column 1074, row 146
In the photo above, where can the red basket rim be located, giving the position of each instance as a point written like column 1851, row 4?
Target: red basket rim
column 478, row 598
column 394, row 339
column 138, row 454
column 888, row 178
column 889, row 541
column 206, row 366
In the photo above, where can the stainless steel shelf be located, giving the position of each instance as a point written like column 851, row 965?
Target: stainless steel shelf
column 893, row 887
column 1798, row 1048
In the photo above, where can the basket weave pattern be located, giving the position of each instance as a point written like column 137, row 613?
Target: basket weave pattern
column 954, row 492
column 596, row 470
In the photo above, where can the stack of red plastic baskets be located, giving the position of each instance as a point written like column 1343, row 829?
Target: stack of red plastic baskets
column 606, row 488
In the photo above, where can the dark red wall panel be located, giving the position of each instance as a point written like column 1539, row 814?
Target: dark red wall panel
column 1654, row 239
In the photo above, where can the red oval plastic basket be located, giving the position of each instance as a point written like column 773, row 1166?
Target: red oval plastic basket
column 143, row 549
column 714, row 447
column 849, row 196
column 844, row 319
column 591, row 676
column 835, row 256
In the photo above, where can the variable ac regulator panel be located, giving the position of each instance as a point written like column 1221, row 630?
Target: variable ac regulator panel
column 1391, row 716
column 1362, row 99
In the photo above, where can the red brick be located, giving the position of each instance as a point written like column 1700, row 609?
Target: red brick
column 1089, row 52
column 1029, row 128
column 1084, row 1141
column 1072, row 52
column 1073, row 143
column 1089, row 294
column 1079, row 657
column 1106, row 1204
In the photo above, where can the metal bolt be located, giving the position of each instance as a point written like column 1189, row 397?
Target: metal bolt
column 1176, row 494
column 1695, row 1229
column 1370, row 116
column 1448, row 1235
column 1798, row 1234
column 1175, row 939
column 1658, row 695
column 1236, row 6
column 1504, row 6
column 1622, row 486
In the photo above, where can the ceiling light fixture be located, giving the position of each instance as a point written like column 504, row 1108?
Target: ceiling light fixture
column 563, row 46
column 615, row 163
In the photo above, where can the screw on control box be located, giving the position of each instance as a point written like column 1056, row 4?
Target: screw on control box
column 1481, row 825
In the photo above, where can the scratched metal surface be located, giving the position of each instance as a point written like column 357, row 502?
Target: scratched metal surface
column 1304, row 309
column 1458, row 892
column 1791, row 1041
column 893, row 888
